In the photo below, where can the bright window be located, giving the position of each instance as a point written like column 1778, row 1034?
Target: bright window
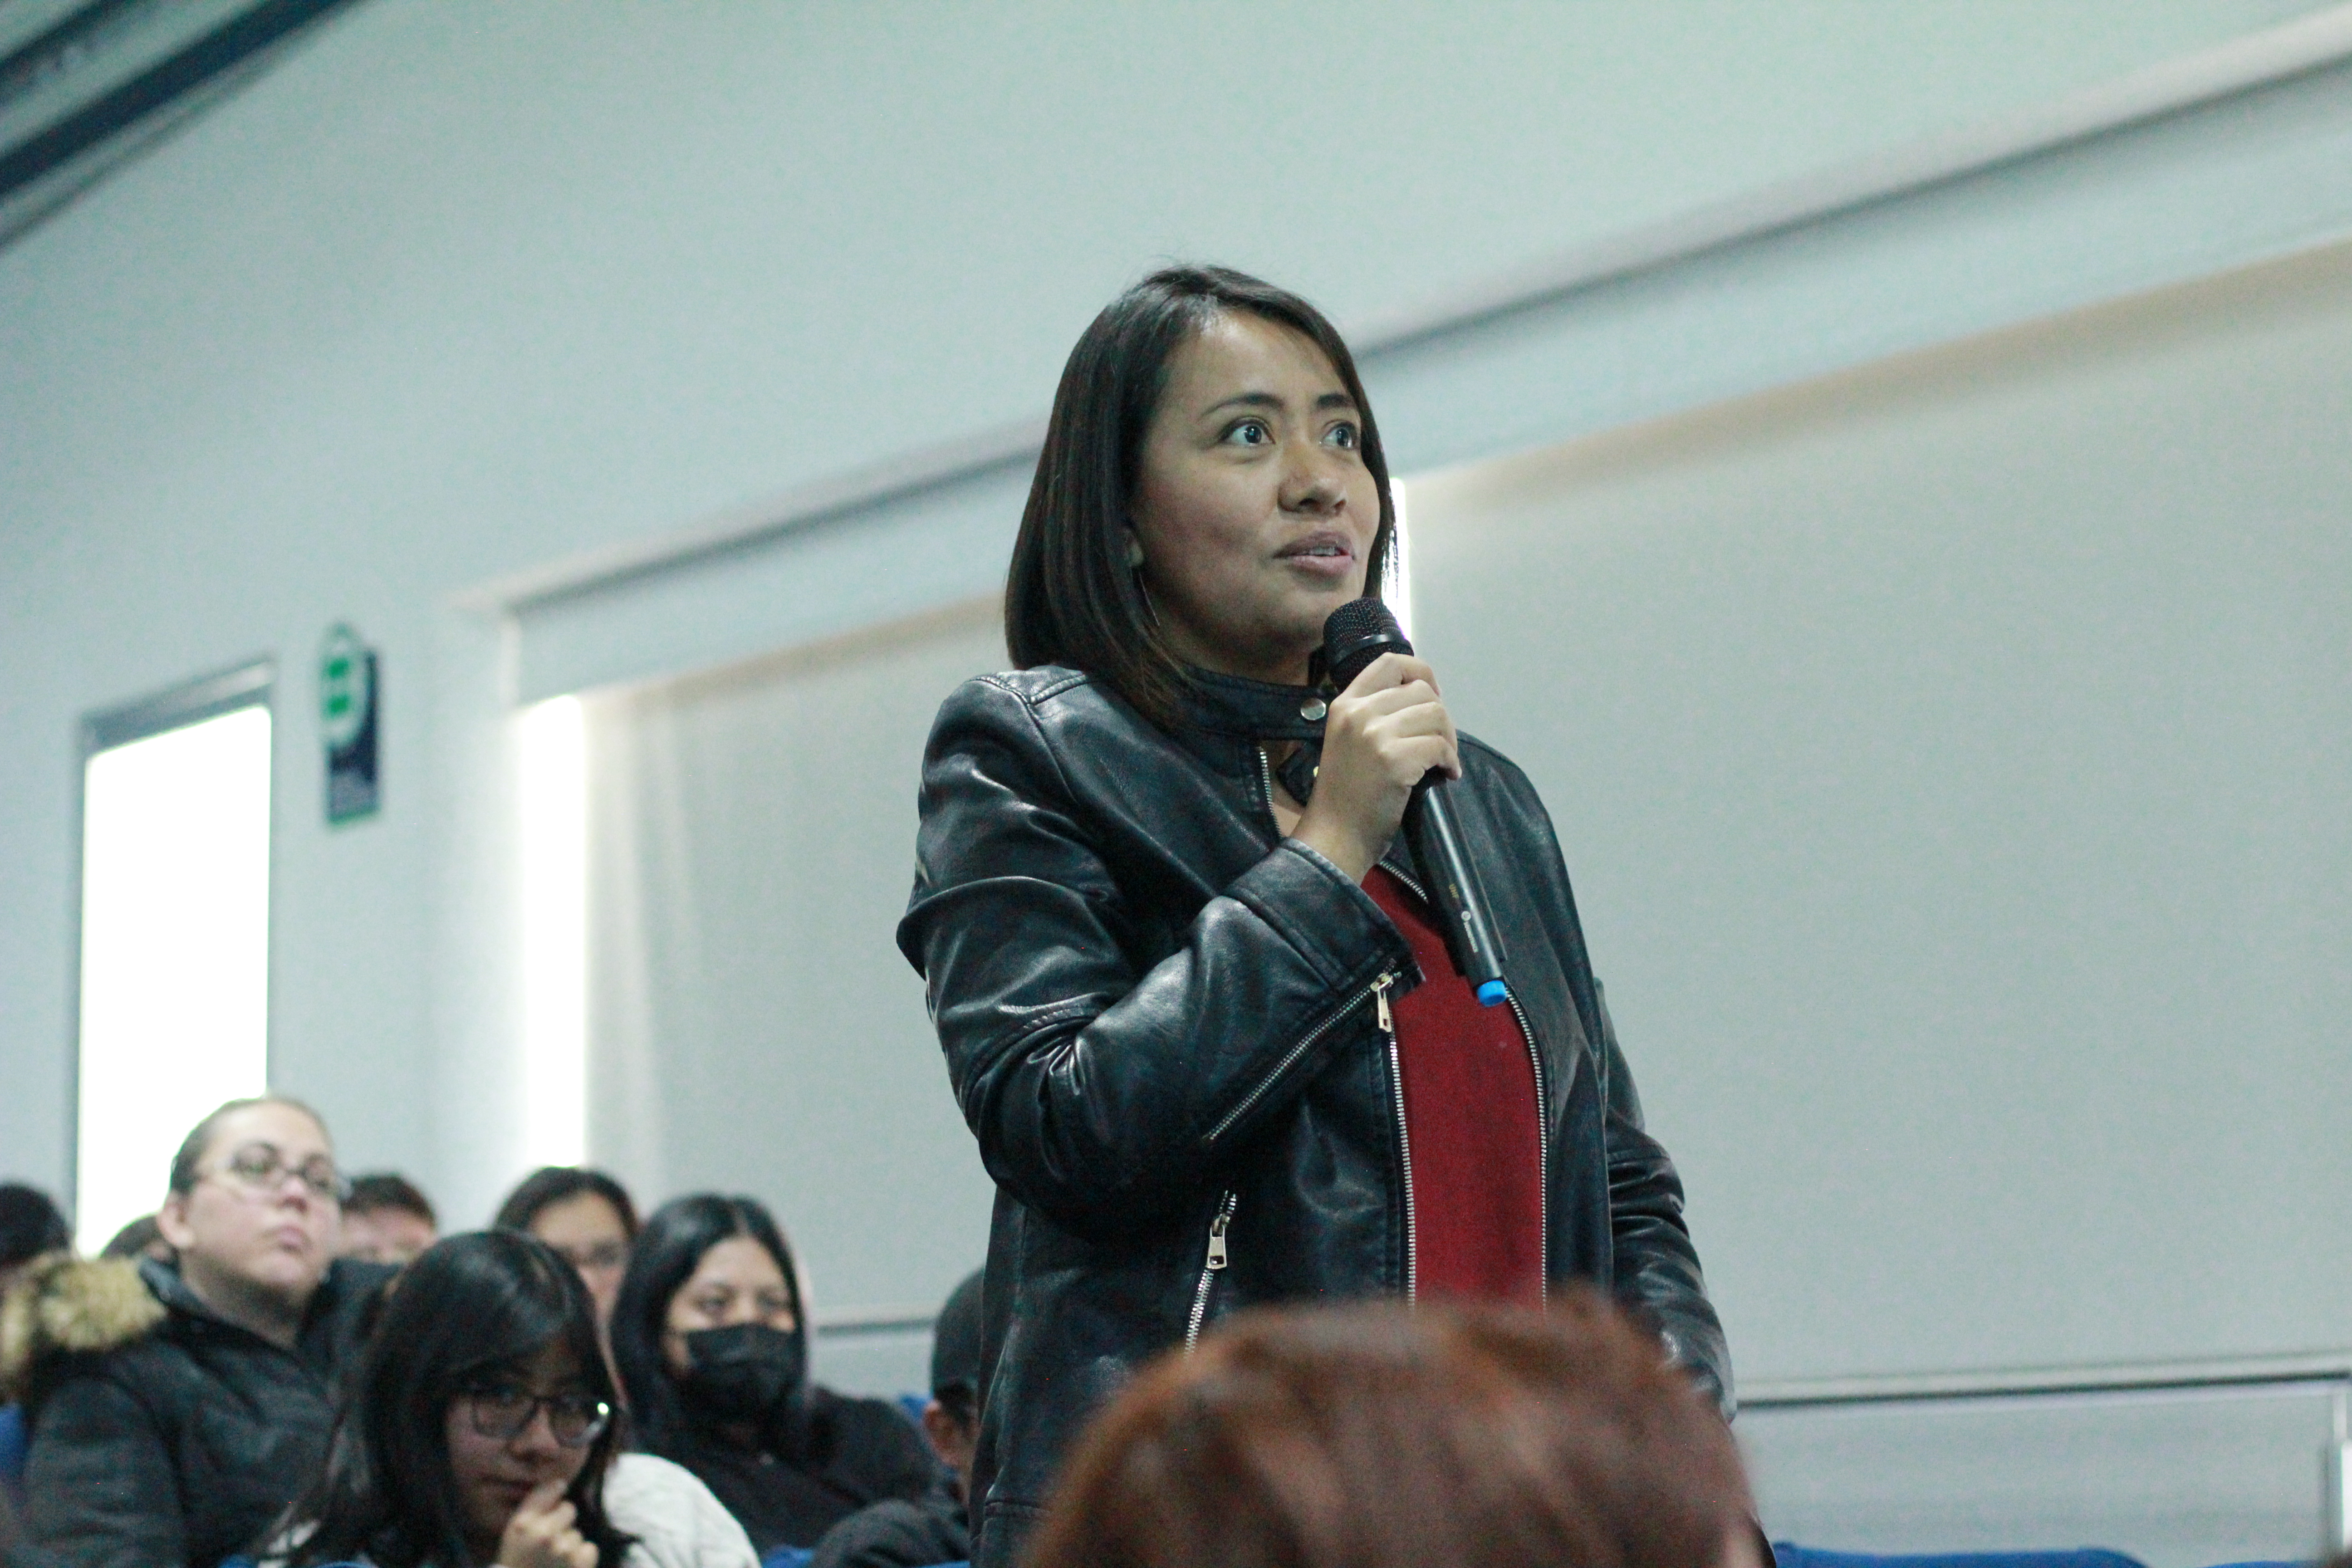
column 174, row 950
column 554, row 795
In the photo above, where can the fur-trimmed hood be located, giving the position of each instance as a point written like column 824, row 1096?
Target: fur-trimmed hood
column 63, row 1305
column 162, row 1428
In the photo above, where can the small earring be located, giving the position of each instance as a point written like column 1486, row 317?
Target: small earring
column 1134, row 550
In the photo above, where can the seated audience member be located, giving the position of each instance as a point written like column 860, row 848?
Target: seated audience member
column 140, row 1238
column 937, row 1527
column 172, row 1422
column 386, row 1220
column 480, row 1428
column 30, row 1225
column 711, row 1335
column 1377, row 1435
column 586, row 1217
column 59, row 1307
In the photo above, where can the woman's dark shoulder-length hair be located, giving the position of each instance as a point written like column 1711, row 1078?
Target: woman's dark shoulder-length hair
column 470, row 1309
column 1070, row 596
column 555, row 1183
column 667, row 1251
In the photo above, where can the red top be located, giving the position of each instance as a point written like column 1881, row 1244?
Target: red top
column 1472, row 1135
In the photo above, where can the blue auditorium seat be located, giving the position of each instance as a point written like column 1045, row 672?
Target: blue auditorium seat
column 1790, row 1555
column 13, row 1442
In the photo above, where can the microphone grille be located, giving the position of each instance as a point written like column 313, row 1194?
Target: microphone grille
column 1357, row 633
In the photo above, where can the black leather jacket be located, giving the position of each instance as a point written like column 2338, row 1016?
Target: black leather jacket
column 1159, row 1020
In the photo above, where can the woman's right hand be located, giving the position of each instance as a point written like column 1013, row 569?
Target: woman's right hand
column 542, row 1533
column 1381, row 736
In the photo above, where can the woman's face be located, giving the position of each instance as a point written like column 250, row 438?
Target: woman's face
column 736, row 1282
column 493, row 1474
column 1253, row 508
column 262, row 1217
column 587, row 1230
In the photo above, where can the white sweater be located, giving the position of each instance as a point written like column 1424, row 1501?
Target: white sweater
column 676, row 1522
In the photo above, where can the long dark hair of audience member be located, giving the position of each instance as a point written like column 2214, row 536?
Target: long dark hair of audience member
column 710, row 1333
column 1379, row 1436
column 475, row 1318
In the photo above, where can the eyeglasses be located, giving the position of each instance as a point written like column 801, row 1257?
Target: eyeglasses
column 504, row 1413
column 602, row 1254
column 262, row 1168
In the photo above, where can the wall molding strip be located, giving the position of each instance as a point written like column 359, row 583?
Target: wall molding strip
column 2275, row 55
column 2316, row 1366
column 864, row 1323
column 2236, row 156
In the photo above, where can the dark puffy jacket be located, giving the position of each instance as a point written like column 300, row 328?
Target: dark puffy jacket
column 930, row 1530
column 174, row 1442
column 1159, row 1020
column 846, row 1453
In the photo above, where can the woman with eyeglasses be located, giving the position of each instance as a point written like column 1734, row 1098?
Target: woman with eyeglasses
column 175, row 1406
column 585, row 1214
column 481, row 1429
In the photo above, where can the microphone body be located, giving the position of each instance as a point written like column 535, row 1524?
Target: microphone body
column 1356, row 633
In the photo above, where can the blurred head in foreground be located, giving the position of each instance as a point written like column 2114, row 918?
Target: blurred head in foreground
column 1382, row 1434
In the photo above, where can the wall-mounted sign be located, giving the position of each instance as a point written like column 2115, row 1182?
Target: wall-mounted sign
column 351, row 692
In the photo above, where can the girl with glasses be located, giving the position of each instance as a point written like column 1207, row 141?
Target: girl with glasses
column 482, row 1429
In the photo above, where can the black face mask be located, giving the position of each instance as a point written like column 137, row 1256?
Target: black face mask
column 749, row 1373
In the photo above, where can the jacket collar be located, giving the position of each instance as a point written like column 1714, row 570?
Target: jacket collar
column 1228, row 715
column 181, row 1300
column 1225, row 716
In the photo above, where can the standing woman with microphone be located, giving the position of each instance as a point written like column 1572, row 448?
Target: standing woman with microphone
column 1196, row 1006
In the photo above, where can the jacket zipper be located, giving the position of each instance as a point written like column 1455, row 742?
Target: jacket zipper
column 1214, row 1260
column 1377, row 988
column 1543, row 1115
column 1543, row 1145
column 1404, row 1139
column 1211, row 1266
column 1380, row 992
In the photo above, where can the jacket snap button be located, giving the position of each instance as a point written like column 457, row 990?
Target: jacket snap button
column 1312, row 709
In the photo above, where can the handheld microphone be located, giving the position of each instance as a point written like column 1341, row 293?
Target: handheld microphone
column 1357, row 633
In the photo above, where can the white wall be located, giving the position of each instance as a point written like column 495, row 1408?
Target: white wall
column 751, row 1026
column 1955, row 758
column 461, row 291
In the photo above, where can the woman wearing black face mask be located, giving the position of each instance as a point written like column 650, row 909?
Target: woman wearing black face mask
column 712, row 1336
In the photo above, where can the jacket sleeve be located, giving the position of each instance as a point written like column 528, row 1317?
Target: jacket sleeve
column 1101, row 1088
column 677, row 1520
column 1656, row 1265
column 898, row 1459
column 101, row 1490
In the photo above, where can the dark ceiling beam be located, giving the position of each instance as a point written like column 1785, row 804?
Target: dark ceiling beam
column 142, row 98
column 60, row 46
